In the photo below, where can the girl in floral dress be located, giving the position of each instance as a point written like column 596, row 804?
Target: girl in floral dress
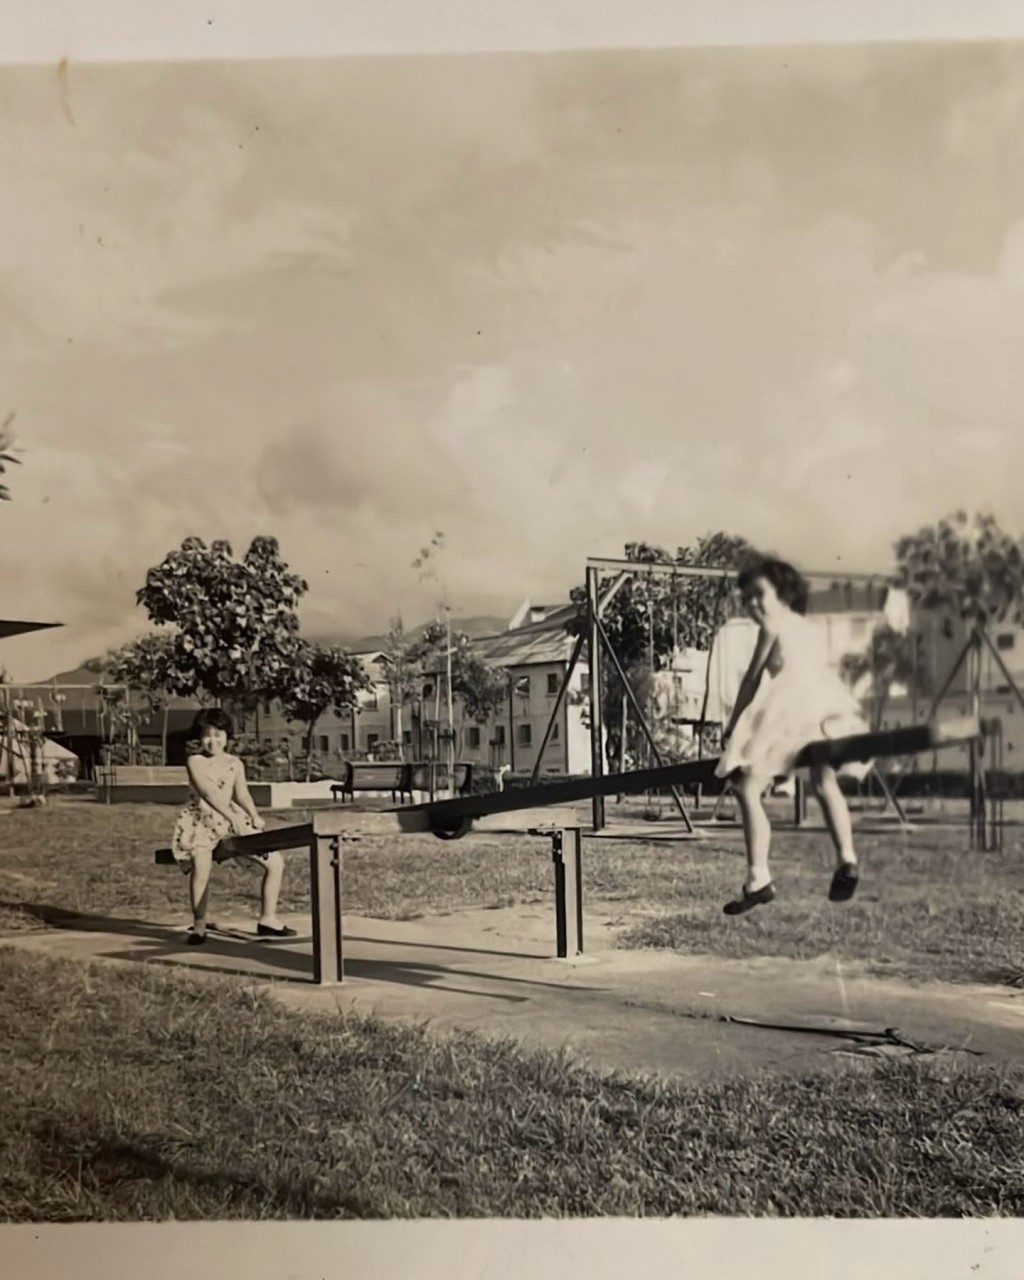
column 221, row 806
column 790, row 696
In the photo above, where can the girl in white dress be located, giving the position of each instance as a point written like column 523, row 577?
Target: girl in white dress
column 221, row 805
column 790, row 696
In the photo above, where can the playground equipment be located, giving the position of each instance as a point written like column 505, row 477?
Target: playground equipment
column 604, row 579
column 325, row 835
column 452, row 819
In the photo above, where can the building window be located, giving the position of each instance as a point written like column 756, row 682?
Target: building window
column 554, row 733
column 473, row 737
column 499, row 735
column 428, row 691
column 323, row 743
column 1005, row 640
column 406, row 737
column 345, row 744
column 371, row 740
column 524, row 735
column 371, row 699
column 522, row 686
column 552, row 682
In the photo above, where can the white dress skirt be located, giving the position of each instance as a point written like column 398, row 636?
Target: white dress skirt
column 800, row 699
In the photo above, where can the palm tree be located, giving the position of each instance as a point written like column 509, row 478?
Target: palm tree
column 892, row 657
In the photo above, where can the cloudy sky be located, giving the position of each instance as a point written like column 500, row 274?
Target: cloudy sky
column 545, row 303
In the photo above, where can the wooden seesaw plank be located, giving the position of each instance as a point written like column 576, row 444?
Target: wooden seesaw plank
column 455, row 816
column 280, row 839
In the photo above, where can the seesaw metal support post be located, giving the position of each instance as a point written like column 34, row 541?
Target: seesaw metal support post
column 567, row 857
column 325, row 893
column 324, row 838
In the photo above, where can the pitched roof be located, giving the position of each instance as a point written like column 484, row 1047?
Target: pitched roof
column 536, row 643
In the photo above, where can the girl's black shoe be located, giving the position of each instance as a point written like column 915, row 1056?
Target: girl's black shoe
column 844, row 883
column 750, row 900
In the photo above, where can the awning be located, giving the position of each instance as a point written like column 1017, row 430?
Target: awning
column 9, row 628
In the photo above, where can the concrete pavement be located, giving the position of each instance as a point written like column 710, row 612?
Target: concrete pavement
column 493, row 971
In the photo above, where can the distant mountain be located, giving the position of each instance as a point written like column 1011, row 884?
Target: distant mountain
column 80, row 675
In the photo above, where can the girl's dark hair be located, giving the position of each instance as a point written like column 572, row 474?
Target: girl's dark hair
column 213, row 718
column 790, row 585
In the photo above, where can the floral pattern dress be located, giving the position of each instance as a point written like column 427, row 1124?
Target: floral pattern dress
column 199, row 826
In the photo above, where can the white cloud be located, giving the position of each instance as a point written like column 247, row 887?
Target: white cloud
column 546, row 305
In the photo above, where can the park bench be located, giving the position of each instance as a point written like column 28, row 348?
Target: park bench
column 141, row 782
column 391, row 775
column 400, row 778
column 420, row 780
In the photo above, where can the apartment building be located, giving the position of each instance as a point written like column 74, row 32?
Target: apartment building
column 533, row 655
column 944, row 637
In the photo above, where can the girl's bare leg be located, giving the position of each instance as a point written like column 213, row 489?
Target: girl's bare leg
column 270, row 890
column 199, row 888
column 756, row 829
column 837, row 819
column 836, row 812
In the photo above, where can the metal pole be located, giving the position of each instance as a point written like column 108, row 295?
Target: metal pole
column 640, row 718
column 511, row 723
column 577, row 862
column 561, row 924
column 448, row 694
column 567, row 857
column 325, row 898
column 977, row 784
column 668, row 568
column 576, row 651
column 596, row 725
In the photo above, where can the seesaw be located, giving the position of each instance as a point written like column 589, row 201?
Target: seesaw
column 325, row 835
column 452, row 819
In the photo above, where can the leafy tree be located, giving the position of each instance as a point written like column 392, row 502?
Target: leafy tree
column 892, row 657
column 145, row 665
column 236, row 629
column 402, row 675
column 651, row 615
column 6, row 456
column 323, row 678
column 965, row 567
column 479, row 687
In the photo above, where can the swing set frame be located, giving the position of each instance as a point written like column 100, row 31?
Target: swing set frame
column 593, row 636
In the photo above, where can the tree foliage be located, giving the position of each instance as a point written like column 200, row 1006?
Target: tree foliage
column 7, row 457
column 144, row 665
column 324, row 678
column 966, row 567
column 654, row 613
column 479, row 686
column 651, row 615
column 892, row 658
column 236, row 629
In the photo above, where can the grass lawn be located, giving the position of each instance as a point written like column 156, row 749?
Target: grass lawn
column 134, row 1095
column 927, row 907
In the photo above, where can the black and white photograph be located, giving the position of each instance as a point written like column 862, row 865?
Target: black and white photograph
column 512, row 637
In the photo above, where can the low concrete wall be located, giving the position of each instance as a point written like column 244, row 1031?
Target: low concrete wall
column 158, row 793
column 265, row 795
